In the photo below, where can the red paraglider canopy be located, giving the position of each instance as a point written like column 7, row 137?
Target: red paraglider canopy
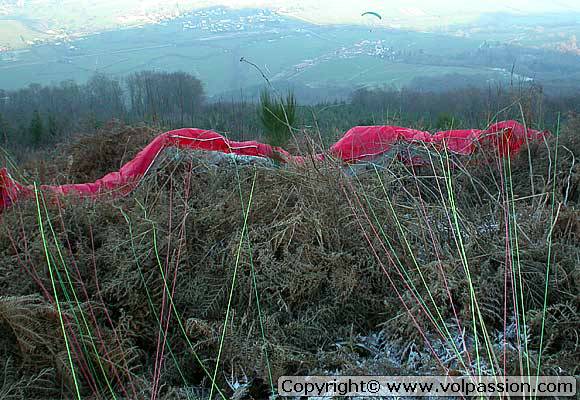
column 359, row 143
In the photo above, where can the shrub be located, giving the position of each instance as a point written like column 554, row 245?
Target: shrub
column 278, row 117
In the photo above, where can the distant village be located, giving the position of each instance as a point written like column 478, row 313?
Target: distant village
column 214, row 20
column 372, row 48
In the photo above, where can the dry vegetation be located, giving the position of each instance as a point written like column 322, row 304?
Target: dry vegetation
column 363, row 273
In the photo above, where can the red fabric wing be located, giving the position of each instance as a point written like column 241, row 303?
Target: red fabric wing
column 359, row 143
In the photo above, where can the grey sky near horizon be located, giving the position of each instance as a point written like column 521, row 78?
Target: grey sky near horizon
column 317, row 10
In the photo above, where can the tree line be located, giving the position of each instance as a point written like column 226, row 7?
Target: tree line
column 38, row 116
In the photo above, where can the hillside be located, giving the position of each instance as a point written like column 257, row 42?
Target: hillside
column 249, row 272
column 209, row 44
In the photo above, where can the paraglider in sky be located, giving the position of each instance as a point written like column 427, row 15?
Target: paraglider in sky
column 371, row 19
column 372, row 13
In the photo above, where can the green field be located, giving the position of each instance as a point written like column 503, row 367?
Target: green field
column 367, row 71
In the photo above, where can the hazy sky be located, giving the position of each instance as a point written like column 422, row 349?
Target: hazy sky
column 328, row 6
column 446, row 5
column 405, row 11
column 415, row 13
column 440, row 6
